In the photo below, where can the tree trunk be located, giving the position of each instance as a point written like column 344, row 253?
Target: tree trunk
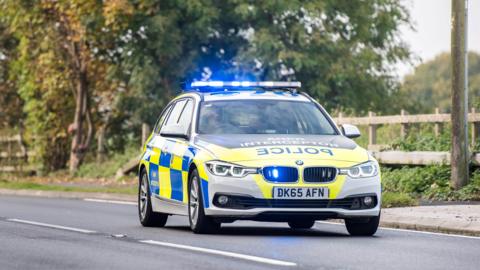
column 78, row 148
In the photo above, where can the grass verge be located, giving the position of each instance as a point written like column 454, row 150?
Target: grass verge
column 52, row 187
column 395, row 199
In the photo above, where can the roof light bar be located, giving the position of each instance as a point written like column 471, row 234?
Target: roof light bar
column 244, row 84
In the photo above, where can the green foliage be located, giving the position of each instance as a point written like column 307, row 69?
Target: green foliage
column 108, row 168
column 395, row 199
column 472, row 190
column 422, row 139
column 137, row 52
column 340, row 51
column 47, row 104
column 429, row 182
column 10, row 102
column 316, row 42
column 53, row 56
column 430, row 85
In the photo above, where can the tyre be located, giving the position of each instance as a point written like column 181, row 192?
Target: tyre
column 301, row 224
column 199, row 222
column 362, row 227
column 147, row 217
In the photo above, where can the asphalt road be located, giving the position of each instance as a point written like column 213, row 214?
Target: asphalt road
column 40, row 233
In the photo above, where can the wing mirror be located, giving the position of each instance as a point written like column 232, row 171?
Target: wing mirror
column 175, row 131
column 350, row 131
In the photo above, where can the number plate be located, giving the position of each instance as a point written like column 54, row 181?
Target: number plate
column 300, row 193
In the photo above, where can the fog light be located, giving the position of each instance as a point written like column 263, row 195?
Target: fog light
column 367, row 201
column 222, row 199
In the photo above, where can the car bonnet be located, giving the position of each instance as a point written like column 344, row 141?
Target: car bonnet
column 262, row 149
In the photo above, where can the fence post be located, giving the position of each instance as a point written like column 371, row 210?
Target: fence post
column 145, row 132
column 10, row 153
column 404, row 127
column 339, row 119
column 372, row 131
column 438, row 126
column 475, row 129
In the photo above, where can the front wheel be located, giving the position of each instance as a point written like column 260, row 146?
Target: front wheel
column 199, row 222
column 147, row 217
column 362, row 227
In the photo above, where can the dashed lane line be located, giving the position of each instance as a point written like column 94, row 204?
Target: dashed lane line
column 221, row 253
column 229, row 254
column 65, row 228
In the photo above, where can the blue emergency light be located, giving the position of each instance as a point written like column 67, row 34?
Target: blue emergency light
column 280, row 174
column 239, row 85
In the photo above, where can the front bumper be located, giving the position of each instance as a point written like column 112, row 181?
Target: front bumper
column 248, row 201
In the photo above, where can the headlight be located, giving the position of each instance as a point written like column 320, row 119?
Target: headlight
column 367, row 169
column 221, row 168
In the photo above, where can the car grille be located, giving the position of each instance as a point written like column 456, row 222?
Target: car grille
column 280, row 174
column 319, row 174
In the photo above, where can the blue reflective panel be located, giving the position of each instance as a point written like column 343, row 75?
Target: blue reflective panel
column 280, row 174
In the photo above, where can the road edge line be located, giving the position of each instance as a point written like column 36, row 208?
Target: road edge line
column 419, row 229
column 110, row 201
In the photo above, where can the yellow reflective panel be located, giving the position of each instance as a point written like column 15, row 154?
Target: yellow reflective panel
column 165, row 186
column 185, row 186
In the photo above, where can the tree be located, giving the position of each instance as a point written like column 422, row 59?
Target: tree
column 10, row 102
column 56, row 71
column 114, row 64
column 430, row 84
column 341, row 51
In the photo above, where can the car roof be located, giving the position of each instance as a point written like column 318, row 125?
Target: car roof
column 249, row 94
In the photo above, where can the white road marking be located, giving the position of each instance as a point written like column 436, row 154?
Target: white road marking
column 221, row 253
column 411, row 231
column 109, row 201
column 50, row 225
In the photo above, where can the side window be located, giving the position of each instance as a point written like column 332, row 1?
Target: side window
column 175, row 113
column 186, row 116
column 161, row 119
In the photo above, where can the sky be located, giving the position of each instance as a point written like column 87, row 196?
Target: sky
column 431, row 20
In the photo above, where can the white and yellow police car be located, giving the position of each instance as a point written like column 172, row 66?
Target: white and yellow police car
column 263, row 151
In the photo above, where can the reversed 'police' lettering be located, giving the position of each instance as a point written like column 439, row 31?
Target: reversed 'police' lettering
column 293, row 150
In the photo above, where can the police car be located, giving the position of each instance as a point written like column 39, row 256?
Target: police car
column 263, row 151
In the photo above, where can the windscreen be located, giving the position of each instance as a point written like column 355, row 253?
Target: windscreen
column 262, row 117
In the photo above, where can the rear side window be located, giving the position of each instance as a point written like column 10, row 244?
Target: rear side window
column 186, row 116
column 161, row 119
column 175, row 113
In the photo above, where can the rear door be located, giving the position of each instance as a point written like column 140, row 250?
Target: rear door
column 153, row 150
column 170, row 164
column 180, row 156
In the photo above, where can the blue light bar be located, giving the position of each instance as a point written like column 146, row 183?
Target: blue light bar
column 244, row 84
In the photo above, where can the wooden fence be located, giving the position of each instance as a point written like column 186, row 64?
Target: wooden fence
column 372, row 121
column 405, row 120
column 13, row 154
